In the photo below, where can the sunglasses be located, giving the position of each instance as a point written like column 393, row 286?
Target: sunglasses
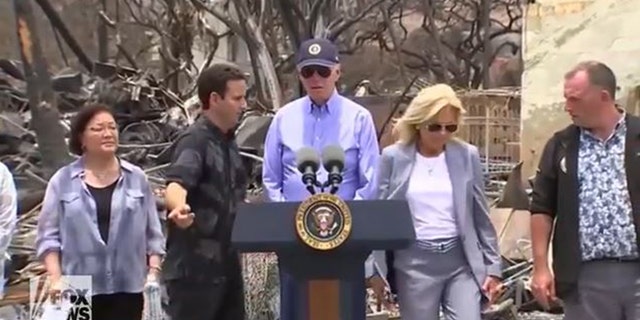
column 436, row 127
column 307, row 72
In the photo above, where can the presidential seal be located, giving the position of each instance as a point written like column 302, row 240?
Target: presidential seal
column 323, row 221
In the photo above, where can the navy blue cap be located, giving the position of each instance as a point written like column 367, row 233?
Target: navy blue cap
column 318, row 52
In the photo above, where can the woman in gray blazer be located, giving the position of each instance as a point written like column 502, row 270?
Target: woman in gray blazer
column 454, row 263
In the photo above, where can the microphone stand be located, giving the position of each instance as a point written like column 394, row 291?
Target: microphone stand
column 311, row 189
column 309, row 179
column 332, row 181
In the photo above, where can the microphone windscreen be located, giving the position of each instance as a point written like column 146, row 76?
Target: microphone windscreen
column 307, row 157
column 333, row 156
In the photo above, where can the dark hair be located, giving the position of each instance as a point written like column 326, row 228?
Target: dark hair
column 599, row 75
column 79, row 125
column 214, row 79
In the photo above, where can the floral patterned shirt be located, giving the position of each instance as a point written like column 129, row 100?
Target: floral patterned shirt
column 606, row 224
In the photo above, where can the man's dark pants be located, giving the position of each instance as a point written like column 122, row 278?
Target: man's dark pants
column 607, row 290
column 289, row 298
column 190, row 299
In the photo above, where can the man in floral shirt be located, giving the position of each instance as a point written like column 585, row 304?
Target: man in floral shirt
column 588, row 183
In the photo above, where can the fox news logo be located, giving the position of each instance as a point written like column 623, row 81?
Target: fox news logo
column 71, row 300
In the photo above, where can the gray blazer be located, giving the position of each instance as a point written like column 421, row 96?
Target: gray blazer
column 478, row 235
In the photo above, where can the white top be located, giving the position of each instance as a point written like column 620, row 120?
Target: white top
column 430, row 199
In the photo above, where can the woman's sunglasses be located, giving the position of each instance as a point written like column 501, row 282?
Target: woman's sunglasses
column 307, row 72
column 436, row 127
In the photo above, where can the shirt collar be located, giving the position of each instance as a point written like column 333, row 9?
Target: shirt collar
column 623, row 117
column 329, row 106
column 620, row 125
column 77, row 167
column 215, row 130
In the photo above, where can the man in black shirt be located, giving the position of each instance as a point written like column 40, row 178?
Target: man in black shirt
column 204, row 183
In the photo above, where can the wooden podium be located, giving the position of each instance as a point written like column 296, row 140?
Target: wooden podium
column 323, row 243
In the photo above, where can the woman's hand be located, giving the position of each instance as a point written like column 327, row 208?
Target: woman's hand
column 492, row 288
column 153, row 275
column 377, row 284
column 54, row 288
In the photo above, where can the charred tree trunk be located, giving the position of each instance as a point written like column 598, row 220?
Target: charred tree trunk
column 487, row 55
column 45, row 118
column 103, row 36
column 57, row 23
column 258, row 49
column 433, row 27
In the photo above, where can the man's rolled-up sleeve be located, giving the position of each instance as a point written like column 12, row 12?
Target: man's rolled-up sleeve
column 187, row 162
column 545, row 183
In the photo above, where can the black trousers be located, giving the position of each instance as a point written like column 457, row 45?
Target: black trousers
column 117, row 306
column 198, row 300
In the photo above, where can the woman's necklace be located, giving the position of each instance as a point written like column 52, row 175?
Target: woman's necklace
column 430, row 164
column 101, row 175
column 104, row 174
column 430, row 161
column 430, row 169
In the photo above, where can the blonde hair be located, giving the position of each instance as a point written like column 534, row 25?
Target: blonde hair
column 424, row 107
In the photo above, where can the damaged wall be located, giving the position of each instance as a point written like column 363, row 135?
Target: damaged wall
column 559, row 33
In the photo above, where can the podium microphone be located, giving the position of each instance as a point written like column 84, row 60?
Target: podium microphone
column 308, row 164
column 333, row 162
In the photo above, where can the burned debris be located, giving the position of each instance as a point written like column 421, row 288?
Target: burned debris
column 150, row 116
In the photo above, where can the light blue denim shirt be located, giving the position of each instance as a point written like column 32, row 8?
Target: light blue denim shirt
column 68, row 223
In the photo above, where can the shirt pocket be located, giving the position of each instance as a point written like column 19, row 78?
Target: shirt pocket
column 134, row 200
column 71, row 204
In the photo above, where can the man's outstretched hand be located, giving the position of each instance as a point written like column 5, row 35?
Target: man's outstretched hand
column 182, row 216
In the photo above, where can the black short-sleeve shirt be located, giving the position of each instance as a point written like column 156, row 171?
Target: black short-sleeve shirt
column 207, row 163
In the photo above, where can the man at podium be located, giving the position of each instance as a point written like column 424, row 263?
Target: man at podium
column 323, row 117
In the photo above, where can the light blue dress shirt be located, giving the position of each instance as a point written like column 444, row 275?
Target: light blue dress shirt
column 340, row 122
column 300, row 124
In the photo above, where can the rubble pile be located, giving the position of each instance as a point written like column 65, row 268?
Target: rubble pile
column 149, row 118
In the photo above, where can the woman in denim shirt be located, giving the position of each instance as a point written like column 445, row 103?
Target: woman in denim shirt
column 99, row 218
